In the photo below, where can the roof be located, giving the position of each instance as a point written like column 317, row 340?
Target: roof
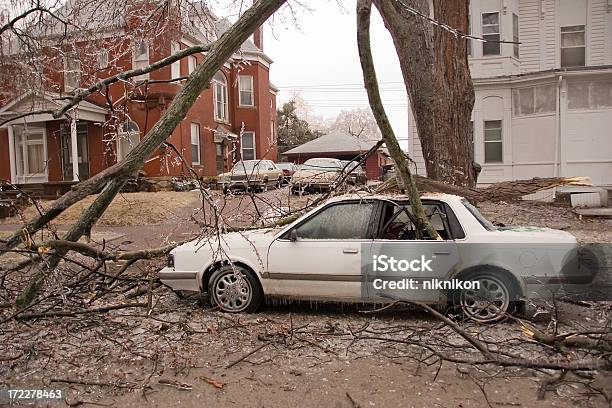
column 199, row 22
column 32, row 101
column 334, row 142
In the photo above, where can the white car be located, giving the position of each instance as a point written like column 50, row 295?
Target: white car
column 316, row 175
column 342, row 252
column 255, row 175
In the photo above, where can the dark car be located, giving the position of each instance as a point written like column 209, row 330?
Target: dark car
column 288, row 170
column 357, row 175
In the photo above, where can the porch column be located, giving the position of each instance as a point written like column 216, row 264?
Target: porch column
column 75, row 149
column 12, row 154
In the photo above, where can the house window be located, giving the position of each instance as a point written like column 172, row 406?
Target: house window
column 589, row 95
column 140, row 57
column 72, row 72
column 102, row 59
column 247, row 145
column 490, row 33
column 220, row 97
column 128, row 138
column 515, row 34
column 30, row 150
column 493, row 141
column 245, row 85
column 573, row 48
column 176, row 65
column 195, row 143
column 191, row 63
column 535, row 99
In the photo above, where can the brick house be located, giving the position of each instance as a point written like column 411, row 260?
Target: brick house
column 233, row 118
column 343, row 146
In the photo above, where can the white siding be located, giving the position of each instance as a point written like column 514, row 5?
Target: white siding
column 529, row 35
column 596, row 32
column 550, row 50
column 582, row 138
column 415, row 152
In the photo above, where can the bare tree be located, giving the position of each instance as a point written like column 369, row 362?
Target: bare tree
column 359, row 122
column 112, row 179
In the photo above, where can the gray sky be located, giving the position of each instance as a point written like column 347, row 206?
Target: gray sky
column 320, row 60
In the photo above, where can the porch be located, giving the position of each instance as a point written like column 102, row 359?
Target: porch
column 45, row 150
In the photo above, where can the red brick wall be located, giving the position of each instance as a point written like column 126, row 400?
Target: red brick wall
column 151, row 106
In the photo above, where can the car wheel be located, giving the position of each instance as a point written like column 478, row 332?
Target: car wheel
column 235, row 289
column 491, row 302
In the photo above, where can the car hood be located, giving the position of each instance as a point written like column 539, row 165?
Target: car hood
column 327, row 175
column 251, row 246
column 537, row 234
column 252, row 174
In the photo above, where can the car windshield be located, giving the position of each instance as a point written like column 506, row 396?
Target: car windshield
column 488, row 225
column 248, row 165
column 322, row 164
column 350, row 165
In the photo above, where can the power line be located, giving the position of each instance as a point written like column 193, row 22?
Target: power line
column 450, row 29
column 336, row 85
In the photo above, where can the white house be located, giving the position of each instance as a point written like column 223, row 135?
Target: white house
column 543, row 108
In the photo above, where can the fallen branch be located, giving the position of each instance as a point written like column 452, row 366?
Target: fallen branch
column 66, row 313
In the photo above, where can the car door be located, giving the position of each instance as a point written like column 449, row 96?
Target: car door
column 397, row 239
column 324, row 262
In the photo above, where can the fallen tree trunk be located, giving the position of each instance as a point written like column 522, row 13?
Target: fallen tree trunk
column 503, row 191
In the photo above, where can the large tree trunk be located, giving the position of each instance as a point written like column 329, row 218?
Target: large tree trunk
column 364, row 9
column 437, row 77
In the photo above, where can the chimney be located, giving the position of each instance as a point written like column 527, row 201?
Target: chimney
column 258, row 36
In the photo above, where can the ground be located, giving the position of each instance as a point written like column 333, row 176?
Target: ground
column 179, row 351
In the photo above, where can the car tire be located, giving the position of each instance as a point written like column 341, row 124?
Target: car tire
column 235, row 289
column 492, row 303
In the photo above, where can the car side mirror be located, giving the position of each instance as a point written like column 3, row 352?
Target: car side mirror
column 293, row 236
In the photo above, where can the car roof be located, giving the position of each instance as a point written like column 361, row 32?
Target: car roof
column 424, row 196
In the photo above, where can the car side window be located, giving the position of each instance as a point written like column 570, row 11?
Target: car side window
column 398, row 221
column 339, row 221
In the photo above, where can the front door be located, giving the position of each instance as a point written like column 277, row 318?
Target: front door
column 325, row 260
column 30, row 153
column 82, row 149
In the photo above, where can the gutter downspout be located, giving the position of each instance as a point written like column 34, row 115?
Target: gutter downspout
column 557, row 126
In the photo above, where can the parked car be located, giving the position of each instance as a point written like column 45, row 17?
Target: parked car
column 288, row 170
column 356, row 173
column 329, row 254
column 256, row 175
column 319, row 174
